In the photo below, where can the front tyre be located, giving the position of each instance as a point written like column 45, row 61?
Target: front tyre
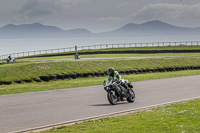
column 131, row 97
column 112, row 98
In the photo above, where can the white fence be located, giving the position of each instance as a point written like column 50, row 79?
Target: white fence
column 101, row 46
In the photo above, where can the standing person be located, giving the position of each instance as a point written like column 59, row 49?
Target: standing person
column 75, row 48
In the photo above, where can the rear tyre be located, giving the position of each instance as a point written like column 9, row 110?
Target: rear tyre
column 131, row 97
column 112, row 98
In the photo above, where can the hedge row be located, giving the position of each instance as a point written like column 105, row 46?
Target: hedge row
column 98, row 74
column 141, row 51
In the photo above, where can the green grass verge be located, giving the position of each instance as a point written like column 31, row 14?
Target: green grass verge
column 183, row 47
column 29, row 70
column 112, row 55
column 177, row 118
column 53, row 85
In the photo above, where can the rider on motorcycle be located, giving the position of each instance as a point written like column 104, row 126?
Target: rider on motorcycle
column 9, row 57
column 112, row 74
column 115, row 77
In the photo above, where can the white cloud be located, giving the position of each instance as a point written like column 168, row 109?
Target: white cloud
column 110, row 19
column 99, row 15
column 167, row 11
column 34, row 8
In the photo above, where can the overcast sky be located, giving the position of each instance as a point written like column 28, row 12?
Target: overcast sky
column 99, row 15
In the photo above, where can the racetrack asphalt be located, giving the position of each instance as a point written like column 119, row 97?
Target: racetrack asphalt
column 29, row 110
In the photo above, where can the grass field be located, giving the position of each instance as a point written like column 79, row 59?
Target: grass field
column 183, row 47
column 112, row 55
column 177, row 118
column 30, row 70
column 61, row 84
column 183, row 117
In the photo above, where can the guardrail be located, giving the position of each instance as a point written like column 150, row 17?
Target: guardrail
column 101, row 46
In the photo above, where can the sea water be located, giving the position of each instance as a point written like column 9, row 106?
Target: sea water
column 8, row 46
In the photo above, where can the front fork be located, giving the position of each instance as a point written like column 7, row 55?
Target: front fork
column 117, row 88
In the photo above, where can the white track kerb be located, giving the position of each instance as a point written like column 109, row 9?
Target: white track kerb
column 105, row 115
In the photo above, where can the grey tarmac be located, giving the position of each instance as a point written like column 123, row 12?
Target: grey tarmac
column 105, row 58
column 30, row 110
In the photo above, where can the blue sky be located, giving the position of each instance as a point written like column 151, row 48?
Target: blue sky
column 99, row 15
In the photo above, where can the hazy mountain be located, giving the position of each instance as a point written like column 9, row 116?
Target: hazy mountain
column 37, row 30
column 150, row 28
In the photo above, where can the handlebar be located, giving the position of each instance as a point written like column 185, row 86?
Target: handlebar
column 111, row 82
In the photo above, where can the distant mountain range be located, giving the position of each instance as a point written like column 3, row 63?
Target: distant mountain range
column 37, row 30
column 153, row 28
column 150, row 28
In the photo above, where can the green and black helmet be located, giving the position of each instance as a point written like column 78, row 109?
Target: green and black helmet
column 110, row 70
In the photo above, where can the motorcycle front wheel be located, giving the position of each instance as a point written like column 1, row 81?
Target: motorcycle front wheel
column 112, row 98
column 131, row 97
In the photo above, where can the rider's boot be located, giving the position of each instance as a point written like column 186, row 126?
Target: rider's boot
column 122, row 96
column 122, row 93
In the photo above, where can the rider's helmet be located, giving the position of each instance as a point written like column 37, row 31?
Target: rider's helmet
column 110, row 71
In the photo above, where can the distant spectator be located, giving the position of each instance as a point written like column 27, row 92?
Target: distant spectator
column 9, row 57
column 75, row 48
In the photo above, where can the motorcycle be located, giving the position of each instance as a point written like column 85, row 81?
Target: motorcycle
column 77, row 56
column 10, row 60
column 115, row 95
